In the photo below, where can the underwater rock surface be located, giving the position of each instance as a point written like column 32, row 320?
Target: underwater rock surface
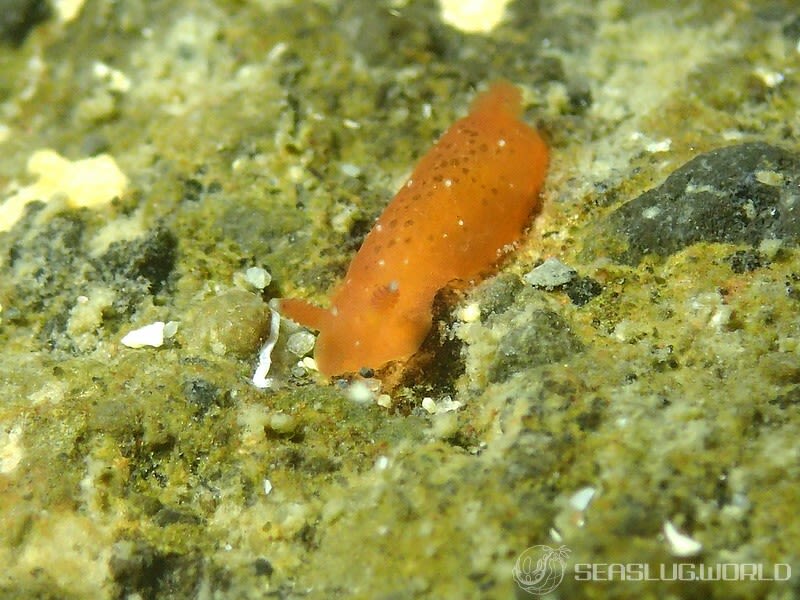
column 739, row 194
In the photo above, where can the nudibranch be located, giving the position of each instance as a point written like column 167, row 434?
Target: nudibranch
column 468, row 200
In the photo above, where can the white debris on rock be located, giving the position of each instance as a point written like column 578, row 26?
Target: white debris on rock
column 769, row 77
column 150, row 335
column 254, row 279
column 473, row 16
column 350, row 169
column 115, row 80
column 257, row 277
column 444, row 405
column 770, row 177
column 429, row 405
column 659, row 146
column 680, row 544
column 580, row 500
column 89, row 182
column 10, row 449
column 360, row 392
column 709, row 309
column 551, row 274
column 770, row 247
column 470, row 313
column 301, row 343
column 67, row 10
column 170, row 329
column 260, row 379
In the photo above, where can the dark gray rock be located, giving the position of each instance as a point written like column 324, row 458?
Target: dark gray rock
column 18, row 17
column 739, row 194
column 539, row 338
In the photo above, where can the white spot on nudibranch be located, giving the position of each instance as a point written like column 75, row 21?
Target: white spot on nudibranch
column 501, row 142
column 448, row 182
column 381, row 263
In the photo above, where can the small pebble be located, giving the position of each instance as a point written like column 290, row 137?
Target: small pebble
column 550, row 275
column 233, row 323
column 257, row 277
column 301, row 343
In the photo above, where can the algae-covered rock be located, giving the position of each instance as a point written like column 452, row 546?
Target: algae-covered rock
column 534, row 338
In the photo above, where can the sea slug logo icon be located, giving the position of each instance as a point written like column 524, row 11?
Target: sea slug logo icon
column 540, row 569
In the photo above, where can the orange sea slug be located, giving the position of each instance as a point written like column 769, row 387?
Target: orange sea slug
column 468, row 199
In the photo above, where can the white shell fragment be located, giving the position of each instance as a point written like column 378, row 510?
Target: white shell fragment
column 679, row 543
column 580, row 500
column 260, row 379
column 445, row 405
column 150, row 335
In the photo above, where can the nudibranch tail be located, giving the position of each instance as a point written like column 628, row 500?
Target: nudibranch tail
column 305, row 313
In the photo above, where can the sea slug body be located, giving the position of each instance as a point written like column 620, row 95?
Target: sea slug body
column 469, row 198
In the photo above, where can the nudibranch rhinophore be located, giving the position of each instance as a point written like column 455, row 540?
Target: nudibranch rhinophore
column 467, row 201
